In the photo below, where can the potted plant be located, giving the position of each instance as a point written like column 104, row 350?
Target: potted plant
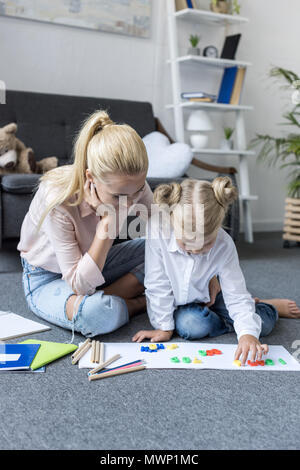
column 284, row 151
column 225, row 6
column 227, row 143
column 220, row 6
column 236, row 7
column 194, row 40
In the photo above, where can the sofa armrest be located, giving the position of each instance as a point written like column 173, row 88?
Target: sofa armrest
column 204, row 166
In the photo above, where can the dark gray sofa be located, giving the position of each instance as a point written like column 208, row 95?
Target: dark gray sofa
column 48, row 123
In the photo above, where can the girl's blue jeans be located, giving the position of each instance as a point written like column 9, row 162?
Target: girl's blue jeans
column 47, row 293
column 194, row 321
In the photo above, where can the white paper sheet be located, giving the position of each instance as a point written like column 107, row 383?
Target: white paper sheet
column 162, row 358
column 14, row 326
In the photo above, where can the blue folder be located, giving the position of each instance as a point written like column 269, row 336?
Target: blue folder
column 17, row 356
column 227, row 85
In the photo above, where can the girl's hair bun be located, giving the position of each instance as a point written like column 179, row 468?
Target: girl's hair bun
column 168, row 194
column 224, row 191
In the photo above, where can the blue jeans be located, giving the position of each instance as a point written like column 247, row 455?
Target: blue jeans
column 194, row 321
column 47, row 293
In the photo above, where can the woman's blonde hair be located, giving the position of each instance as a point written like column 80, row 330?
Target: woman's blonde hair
column 215, row 198
column 103, row 147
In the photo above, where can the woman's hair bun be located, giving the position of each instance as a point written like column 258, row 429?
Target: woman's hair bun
column 225, row 192
column 102, row 120
column 168, row 194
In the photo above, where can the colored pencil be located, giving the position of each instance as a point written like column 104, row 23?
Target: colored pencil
column 101, row 358
column 103, row 364
column 116, row 372
column 93, row 351
column 129, row 364
column 81, row 347
column 81, row 353
column 97, row 352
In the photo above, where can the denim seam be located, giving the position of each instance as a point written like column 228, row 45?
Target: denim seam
column 126, row 308
column 28, row 285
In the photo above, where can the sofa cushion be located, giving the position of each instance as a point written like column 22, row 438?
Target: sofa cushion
column 166, row 159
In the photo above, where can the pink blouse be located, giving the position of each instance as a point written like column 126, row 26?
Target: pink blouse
column 63, row 241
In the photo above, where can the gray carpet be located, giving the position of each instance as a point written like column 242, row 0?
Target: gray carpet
column 156, row 409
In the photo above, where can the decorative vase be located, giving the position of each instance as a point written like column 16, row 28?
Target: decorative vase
column 199, row 141
column 194, row 51
column 291, row 229
column 226, row 144
column 221, row 7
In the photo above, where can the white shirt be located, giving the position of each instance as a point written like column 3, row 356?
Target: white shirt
column 173, row 277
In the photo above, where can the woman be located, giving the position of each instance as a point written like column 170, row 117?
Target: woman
column 64, row 251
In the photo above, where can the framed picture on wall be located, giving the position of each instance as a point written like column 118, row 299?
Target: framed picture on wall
column 130, row 17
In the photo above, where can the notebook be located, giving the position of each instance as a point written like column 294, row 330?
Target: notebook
column 227, row 85
column 14, row 326
column 238, row 86
column 49, row 352
column 17, row 356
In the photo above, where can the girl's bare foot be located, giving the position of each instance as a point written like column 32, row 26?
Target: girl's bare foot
column 136, row 305
column 286, row 308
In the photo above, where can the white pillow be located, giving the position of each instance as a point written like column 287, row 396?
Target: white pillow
column 166, row 160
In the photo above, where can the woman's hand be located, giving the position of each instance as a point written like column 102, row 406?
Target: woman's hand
column 90, row 194
column 153, row 335
column 214, row 289
column 250, row 343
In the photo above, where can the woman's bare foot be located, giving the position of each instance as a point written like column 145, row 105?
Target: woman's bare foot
column 286, row 308
column 127, row 287
column 136, row 305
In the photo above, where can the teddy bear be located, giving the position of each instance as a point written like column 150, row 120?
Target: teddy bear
column 15, row 157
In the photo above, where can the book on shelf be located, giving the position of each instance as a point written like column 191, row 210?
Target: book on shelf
column 184, row 4
column 191, row 3
column 180, row 5
column 227, row 85
column 232, row 85
column 202, row 100
column 197, row 94
column 238, row 86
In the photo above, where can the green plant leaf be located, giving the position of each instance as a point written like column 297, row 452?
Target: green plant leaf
column 284, row 151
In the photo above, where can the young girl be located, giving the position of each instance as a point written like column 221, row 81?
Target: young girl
column 64, row 251
column 178, row 269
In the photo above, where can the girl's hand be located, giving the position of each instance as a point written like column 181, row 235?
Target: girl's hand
column 90, row 194
column 214, row 289
column 154, row 335
column 250, row 343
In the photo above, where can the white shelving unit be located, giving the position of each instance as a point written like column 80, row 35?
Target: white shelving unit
column 179, row 107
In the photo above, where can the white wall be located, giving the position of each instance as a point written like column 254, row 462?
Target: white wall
column 36, row 56
column 272, row 37
column 50, row 58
